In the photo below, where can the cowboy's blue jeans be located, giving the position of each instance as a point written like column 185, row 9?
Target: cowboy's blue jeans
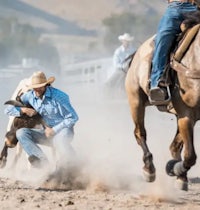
column 168, row 29
column 30, row 138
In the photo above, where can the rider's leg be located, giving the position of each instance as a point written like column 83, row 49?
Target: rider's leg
column 168, row 28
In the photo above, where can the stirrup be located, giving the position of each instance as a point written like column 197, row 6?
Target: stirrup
column 161, row 102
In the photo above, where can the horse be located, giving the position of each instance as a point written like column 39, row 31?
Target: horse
column 184, row 101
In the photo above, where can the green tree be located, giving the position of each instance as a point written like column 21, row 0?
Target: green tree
column 140, row 26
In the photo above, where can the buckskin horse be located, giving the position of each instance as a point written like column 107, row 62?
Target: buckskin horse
column 184, row 98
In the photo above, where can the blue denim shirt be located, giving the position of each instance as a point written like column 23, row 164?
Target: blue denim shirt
column 54, row 107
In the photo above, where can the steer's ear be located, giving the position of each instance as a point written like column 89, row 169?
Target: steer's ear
column 14, row 103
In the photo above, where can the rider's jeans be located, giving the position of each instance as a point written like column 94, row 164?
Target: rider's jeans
column 31, row 138
column 168, row 28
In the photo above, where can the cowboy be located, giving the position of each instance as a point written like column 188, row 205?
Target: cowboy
column 59, row 118
column 121, row 60
column 168, row 30
column 122, row 55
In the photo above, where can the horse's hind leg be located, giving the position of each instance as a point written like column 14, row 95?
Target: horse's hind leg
column 3, row 157
column 176, row 146
column 138, row 112
column 180, row 168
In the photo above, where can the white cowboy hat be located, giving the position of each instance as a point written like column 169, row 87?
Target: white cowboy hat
column 39, row 79
column 126, row 37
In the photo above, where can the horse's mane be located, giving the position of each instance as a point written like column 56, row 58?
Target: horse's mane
column 191, row 18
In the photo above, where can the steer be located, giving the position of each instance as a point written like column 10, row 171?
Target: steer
column 11, row 141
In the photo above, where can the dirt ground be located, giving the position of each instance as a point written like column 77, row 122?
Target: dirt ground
column 18, row 195
column 110, row 165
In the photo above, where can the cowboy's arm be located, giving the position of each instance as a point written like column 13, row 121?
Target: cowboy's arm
column 11, row 110
column 18, row 111
column 117, row 61
column 25, row 98
column 69, row 114
column 128, row 59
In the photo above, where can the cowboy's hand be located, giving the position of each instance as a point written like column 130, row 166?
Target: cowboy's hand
column 28, row 111
column 49, row 132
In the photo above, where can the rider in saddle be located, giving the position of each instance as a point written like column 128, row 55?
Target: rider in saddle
column 168, row 30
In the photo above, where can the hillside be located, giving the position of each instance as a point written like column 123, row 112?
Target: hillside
column 89, row 14
column 75, row 26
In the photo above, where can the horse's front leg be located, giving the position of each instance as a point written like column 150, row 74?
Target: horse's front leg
column 148, row 169
column 176, row 146
column 3, row 157
column 138, row 113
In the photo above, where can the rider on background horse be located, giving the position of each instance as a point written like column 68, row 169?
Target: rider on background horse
column 121, row 61
column 169, row 28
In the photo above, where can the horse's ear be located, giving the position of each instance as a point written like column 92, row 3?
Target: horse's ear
column 14, row 103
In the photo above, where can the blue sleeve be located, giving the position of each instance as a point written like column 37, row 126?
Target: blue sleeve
column 25, row 98
column 14, row 110
column 70, row 116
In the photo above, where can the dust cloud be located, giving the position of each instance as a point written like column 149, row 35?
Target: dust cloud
column 109, row 157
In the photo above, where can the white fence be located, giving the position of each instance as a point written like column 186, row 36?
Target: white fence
column 90, row 72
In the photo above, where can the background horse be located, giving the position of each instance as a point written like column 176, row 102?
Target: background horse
column 185, row 98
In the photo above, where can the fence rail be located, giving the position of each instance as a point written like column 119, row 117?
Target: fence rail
column 95, row 71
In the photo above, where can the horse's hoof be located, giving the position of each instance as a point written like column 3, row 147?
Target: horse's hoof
column 181, row 185
column 170, row 167
column 149, row 177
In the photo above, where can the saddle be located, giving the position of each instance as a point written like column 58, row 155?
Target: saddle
column 183, row 47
